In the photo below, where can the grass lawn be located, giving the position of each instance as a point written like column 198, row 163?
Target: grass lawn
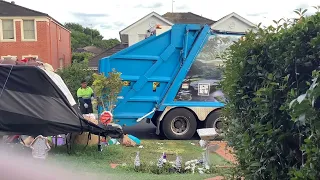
column 89, row 160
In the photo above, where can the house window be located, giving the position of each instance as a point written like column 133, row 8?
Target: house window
column 7, row 29
column 29, row 32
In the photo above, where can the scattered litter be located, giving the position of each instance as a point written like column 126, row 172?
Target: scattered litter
column 104, row 143
column 140, row 147
column 128, row 142
column 135, row 139
column 112, row 142
column 159, row 143
column 61, row 140
column 40, row 147
column 192, row 144
column 113, row 166
column 202, row 143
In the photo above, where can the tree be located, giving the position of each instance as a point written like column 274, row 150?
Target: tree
column 81, row 57
column 73, row 74
column 106, row 44
column 107, row 89
column 84, row 36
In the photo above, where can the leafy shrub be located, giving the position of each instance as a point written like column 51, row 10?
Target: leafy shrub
column 81, row 57
column 167, row 168
column 73, row 75
column 264, row 73
column 305, row 110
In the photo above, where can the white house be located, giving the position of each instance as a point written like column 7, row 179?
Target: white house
column 137, row 31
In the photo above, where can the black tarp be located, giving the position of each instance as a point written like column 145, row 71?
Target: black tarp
column 31, row 103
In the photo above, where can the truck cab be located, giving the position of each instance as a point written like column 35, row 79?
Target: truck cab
column 172, row 80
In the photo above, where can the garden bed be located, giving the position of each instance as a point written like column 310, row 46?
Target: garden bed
column 122, row 159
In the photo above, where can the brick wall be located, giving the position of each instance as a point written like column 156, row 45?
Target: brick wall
column 22, row 48
column 60, row 45
column 48, row 47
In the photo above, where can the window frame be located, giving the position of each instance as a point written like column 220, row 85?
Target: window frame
column 22, row 30
column 14, row 31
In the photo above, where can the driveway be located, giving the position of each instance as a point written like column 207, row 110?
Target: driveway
column 143, row 130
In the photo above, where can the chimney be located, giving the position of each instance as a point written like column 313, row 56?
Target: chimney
column 12, row 2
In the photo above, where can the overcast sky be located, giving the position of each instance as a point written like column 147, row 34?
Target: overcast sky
column 111, row 16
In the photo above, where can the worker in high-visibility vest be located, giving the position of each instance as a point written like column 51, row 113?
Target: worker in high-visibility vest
column 85, row 96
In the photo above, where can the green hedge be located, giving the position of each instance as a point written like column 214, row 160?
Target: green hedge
column 264, row 73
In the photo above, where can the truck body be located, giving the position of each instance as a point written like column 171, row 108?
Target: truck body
column 172, row 80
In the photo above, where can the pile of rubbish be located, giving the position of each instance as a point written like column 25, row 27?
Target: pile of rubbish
column 89, row 139
column 27, row 62
column 34, row 101
column 127, row 141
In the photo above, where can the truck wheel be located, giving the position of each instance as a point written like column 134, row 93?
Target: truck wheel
column 214, row 121
column 179, row 124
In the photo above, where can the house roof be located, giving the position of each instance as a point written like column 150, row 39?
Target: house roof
column 233, row 14
column 10, row 9
column 144, row 18
column 187, row 18
column 91, row 49
column 94, row 61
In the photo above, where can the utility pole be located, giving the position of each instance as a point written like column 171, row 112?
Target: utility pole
column 91, row 34
column 172, row 6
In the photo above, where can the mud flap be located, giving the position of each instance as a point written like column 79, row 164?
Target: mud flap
column 158, row 127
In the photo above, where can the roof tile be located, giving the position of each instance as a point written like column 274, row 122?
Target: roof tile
column 94, row 62
column 187, row 18
column 12, row 9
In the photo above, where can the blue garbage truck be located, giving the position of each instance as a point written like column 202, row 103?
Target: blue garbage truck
column 172, row 80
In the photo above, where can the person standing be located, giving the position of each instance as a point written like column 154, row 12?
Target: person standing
column 85, row 96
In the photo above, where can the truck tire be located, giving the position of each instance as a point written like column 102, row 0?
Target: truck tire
column 179, row 124
column 213, row 121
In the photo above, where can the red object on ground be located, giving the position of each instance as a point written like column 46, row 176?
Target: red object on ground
column 106, row 117
column 113, row 166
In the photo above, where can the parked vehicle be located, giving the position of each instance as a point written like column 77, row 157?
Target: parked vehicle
column 173, row 79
